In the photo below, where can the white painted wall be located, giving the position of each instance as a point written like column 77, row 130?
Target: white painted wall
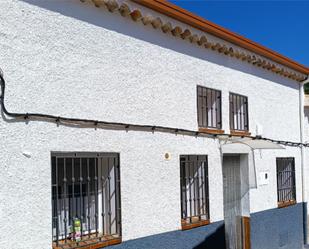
column 306, row 140
column 72, row 59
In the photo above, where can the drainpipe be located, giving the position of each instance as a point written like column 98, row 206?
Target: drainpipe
column 303, row 171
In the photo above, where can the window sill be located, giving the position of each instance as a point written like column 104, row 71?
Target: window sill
column 283, row 204
column 187, row 226
column 240, row 133
column 94, row 243
column 210, row 131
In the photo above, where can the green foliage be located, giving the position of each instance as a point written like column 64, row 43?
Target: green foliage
column 306, row 87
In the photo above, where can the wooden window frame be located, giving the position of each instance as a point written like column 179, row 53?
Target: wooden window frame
column 90, row 244
column 202, row 116
column 243, row 127
column 286, row 201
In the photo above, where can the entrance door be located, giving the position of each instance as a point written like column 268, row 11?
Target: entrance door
column 232, row 201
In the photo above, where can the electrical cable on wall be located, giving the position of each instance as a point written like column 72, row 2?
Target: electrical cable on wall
column 116, row 125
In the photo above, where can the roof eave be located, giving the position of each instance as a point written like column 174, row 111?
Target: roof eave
column 197, row 22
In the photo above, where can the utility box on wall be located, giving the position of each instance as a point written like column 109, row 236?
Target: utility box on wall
column 264, row 178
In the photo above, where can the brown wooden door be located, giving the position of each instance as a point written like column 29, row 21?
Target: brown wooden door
column 246, row 232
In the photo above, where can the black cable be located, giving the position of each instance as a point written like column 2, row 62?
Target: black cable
column 59, row 119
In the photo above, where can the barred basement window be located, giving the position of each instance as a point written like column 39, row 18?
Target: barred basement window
column 208, row 108
column 239, row 112
column 85, row 199
column 286, row 181
column 194, row 190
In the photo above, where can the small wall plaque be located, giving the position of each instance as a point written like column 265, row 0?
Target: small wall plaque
column 264, row 178
column 167, row 156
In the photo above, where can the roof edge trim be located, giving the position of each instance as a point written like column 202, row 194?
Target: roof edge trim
column 173, row 11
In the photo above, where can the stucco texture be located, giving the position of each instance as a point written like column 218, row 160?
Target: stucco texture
column 69, row 58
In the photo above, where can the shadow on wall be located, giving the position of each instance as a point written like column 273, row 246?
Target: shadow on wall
column 204, row 237
column 87, row 12
column 215, row 241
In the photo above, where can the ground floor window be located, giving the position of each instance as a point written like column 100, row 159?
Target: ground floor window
column 194, row 190
column 85, row 199
column 286, row 181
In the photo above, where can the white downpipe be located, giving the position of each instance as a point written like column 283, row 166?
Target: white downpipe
column 301, row 123
column 303, row 171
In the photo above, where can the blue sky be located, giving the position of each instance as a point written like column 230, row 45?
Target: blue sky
column 280, row 25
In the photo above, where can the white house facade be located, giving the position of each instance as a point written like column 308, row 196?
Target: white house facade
column 122, row 125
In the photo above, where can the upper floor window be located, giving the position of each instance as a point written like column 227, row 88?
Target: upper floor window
column 194, row 191
column 239, row 112
column 286, row 181
column 208, row 107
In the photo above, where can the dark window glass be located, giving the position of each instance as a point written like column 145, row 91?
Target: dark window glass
column 85, row 198
column 286, row 179
column 239, row 112
column 194, row 188
column 208, row 107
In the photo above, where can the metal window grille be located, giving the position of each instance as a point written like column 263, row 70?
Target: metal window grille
column 286, row 179
column 194, row 188
column 208, row 107
column 86, row 189
column 239, row 112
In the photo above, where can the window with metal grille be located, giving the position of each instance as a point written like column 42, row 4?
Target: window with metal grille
column 286, row 179
column 85, row 199
column 208, row 107
column 194, row 189
column 239, row 112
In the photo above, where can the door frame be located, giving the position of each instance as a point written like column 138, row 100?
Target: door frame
column 243, row 220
